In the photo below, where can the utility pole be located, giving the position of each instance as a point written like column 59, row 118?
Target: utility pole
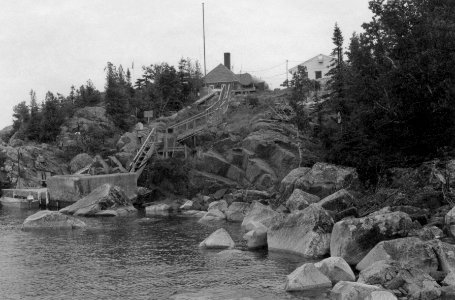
column 287, row 72
column 18, row 168
column 203, row 36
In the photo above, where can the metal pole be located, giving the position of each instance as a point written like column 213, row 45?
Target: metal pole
column 203, row 34
column 18, row 169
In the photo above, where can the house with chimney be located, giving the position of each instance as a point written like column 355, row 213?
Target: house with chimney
column 242, row 83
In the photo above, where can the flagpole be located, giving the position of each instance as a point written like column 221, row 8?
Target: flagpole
column 203, row 36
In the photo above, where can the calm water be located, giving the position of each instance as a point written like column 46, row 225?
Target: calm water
column 124, row 258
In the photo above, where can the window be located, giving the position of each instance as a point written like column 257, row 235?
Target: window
column 318, row 74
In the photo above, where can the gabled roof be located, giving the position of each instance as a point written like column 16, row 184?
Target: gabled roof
column 220, row 74
column 247, row 79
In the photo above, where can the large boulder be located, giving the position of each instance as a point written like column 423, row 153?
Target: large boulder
column 415, row 213
column 128, row 142
column 336, row 269
column 338, row 201
column 257, row 171
column 213, row 162
column 103, row 197
column 353, row 238
column 324, row 179
column 449, row 221
column 257, row 237
column 408, row 281
column 288, row 182
column 208, row 183
column 300, row 200
column 445, row 253
column 347, row 290
column 46, row 219
column 219, row 239
column 212, row 215
column 259, row 213
column 80, row 161
column 220, row 205
column 237, row 211
column 305, row 232
column 427, row 233
column 307, row 277
column 411, row 251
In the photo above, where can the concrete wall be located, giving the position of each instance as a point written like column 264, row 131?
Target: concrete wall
column 67, row 189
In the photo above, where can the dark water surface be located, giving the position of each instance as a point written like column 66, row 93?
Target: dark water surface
column 124, row 258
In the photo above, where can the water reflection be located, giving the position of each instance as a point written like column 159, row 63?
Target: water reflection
column 130, row 258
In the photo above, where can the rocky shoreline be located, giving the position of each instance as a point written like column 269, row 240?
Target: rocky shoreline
column 395, row 252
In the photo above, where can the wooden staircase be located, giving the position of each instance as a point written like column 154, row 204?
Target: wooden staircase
column 145, row 152
column 168, row 141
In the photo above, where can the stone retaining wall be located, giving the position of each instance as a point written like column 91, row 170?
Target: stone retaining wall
column 67, row 189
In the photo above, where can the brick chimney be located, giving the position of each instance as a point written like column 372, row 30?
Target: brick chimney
column 227, row 60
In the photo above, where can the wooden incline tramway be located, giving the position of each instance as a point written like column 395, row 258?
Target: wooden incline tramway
column 164, row 142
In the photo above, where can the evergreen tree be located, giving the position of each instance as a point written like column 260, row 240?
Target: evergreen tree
column 117, row 97
column 399, row 82
column 51, row 119
column 21, row 115
column 33, row 128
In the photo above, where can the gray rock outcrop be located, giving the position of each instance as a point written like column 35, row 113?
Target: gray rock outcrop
column 353, row 238
column 259, row 213
column 407, row 281
column 336, row 269
column 411, row 251
column 347, row 290
column 300, row 200
column 305, row 232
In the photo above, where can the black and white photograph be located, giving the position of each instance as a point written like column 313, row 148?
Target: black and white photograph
column 227, row 150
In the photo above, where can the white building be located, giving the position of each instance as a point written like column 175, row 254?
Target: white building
column 317, row 67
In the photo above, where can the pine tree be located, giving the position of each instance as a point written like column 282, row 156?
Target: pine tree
column 33, row 128
column 117, row 97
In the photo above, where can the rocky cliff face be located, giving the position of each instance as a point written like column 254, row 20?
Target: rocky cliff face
column 35, row 161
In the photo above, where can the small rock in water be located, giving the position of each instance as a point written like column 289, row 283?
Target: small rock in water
column 307, row 277
column 46, row 219
column 219, row 239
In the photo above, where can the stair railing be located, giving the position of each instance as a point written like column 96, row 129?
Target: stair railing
column 144, row 144
column 221, row 103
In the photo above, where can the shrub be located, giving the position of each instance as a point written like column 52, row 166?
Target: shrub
column 171, row 174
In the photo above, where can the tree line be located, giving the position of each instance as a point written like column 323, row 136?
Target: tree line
column 162, row 88
column 394, row 94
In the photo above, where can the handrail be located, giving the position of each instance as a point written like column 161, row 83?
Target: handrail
column 144, row 144
column 204, row 113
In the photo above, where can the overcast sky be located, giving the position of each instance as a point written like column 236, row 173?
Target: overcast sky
column 50, row 45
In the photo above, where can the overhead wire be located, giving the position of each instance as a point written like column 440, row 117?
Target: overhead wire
column 270, row 68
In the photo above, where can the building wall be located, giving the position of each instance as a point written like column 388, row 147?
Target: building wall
column 315, row 64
